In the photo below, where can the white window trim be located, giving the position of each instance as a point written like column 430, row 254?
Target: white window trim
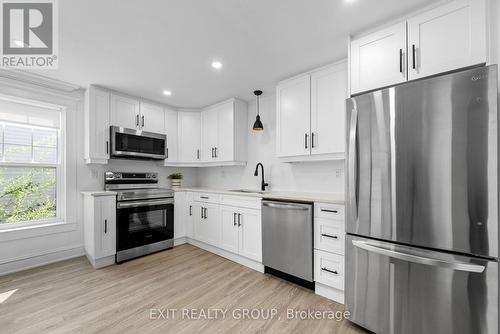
column 61, row 217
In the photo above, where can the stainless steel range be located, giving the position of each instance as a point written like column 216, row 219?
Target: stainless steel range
column 144, row 214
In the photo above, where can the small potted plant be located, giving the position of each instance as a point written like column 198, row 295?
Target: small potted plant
column 175, row 180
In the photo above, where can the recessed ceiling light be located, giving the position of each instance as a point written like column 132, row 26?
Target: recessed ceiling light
column 167, row 92
column 217, row 65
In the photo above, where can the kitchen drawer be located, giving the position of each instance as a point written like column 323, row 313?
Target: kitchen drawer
column 329, row 211
column 329, row 235
column 329, row 269
column 241, row 201
column 206, row 197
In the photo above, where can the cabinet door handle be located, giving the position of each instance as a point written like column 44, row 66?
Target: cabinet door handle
column 198, row 154
column 142, row 120
column 414, row 54
column 216, row 152
column 401, row 60
column 201, row 210
column 330, row 271
column 329, row 236
column 206, row 213
column 136, row 120
column 305, row 140
column 312, row 139
column 190, row 210
column 212, row 152
column 331, row 211
column 239, row 219
column 234, row 219
column 105, row 226
column 107, row 147
column 167, row 152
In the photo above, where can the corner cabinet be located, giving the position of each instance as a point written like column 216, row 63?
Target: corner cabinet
column 99, row 226
column 442, row 39
column 189, row 137
column 171, row 124
column 97, row 121
column 224, row 133
column 310, row 123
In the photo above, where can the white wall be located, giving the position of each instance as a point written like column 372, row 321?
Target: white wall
column 303, row 177
column 37, row 246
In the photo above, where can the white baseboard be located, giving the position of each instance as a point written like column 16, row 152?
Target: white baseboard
column 36, row 260
column 102, row 262
column 329, row 292
column 180, row 241
column 228, row 255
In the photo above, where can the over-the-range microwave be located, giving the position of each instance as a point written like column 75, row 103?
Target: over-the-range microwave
column 137, row 144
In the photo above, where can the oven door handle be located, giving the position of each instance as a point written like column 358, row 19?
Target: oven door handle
column 135, row 204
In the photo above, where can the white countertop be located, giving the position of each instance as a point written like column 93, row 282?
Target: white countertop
column 99, row 193
column 282, row 195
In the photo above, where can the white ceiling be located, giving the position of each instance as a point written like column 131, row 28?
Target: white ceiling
column 143, row 47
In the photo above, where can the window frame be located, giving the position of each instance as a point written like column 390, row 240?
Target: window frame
column 60, row 166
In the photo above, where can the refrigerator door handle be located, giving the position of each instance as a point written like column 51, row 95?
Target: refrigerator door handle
column 352, row 162
column 429, row 261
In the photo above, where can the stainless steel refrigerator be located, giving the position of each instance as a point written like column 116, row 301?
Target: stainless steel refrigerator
column 422, row 206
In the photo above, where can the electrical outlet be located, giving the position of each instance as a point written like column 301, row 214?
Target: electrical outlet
column 338, row 173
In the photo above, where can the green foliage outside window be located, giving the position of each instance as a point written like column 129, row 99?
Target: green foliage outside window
column 27, row 194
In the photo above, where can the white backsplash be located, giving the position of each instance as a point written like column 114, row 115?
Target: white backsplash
column 327, row 176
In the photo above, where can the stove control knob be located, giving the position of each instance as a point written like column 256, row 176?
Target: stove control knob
column 118, row 175
column 153, row 176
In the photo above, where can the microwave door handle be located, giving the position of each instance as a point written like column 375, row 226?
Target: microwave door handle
column 429, row 261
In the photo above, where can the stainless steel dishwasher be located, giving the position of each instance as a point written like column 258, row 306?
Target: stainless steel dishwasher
column 287, row 240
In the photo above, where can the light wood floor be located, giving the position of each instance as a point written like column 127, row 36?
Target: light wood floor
column 72, row 297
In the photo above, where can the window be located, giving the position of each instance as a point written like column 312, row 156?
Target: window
column 30, row 162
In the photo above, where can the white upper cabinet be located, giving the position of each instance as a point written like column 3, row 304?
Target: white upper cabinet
column 224, row 133
column 310, row 117
column 97, row 114
column 293, row 117
column 171, row 151
column 379, row 59
column 446, row 38
column 209, row 133
column 226, row 136
column 328, row 94
column 189, row 136
column 125, row 112
column 152, row 118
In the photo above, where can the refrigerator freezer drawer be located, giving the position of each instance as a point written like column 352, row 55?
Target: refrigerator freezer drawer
column 399, row 289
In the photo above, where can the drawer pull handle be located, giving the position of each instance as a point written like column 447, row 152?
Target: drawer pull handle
column 329, row 236
column 331, row 211
column 204, row 197
column 330, row 271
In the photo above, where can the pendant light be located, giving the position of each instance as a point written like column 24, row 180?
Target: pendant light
column 257, row 126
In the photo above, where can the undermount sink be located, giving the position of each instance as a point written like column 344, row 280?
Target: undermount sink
column 247, row 191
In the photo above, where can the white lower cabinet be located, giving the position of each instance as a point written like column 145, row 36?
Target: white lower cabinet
column 99, row 226
column 329, row 241
column 207, row 223
column 241, row 232
column 230, row 225
column 329, row 269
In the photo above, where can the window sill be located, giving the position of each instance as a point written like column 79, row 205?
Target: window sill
column 35, row 230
